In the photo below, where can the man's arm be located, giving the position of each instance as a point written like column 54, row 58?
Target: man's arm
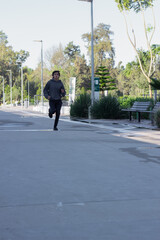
column 63, row 91
column 46, row 91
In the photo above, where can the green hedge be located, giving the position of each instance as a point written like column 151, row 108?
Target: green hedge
column 106, row 108
column 127, row 101
column 80, row 106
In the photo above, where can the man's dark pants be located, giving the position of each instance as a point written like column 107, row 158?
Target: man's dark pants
column 55, row 107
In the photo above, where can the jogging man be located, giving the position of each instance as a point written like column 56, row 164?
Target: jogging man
column 54, row 91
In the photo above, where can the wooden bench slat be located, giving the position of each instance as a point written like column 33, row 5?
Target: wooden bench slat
column 156, row 107
column 142, row 107
column 139, row 107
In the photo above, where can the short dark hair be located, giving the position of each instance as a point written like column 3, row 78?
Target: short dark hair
column 56, row 71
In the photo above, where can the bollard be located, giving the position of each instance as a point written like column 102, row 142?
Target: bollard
column 89, row 114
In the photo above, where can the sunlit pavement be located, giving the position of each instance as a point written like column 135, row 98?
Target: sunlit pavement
column 93, row 181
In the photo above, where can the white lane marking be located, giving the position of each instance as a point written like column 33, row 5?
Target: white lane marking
column 26, row 130
column 60, row 204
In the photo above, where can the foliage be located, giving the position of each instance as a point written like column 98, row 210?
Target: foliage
column 128, row 101
column 155, row 83
column 8, row 61
column 103, row 47
column 145, row 57
column 130, row 79
column 133, row 4
column 105, row 80
column 8, row 58
column 16, row 93
column 55, row 57
column 70, row 62
column 106, row 108
column 80, row 106
column 76, row 66
column 140, row 6
column 82, row 73
column 71, row 51
column 157, row 118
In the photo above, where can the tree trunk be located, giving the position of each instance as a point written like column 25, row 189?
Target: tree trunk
column 150, row 88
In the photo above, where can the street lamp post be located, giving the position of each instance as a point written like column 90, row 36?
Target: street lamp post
column 10, row 85
column 3, row 91
column 19, row 62
column 28, row 93
column 21, row 85
column 41, row 69
column 92, row 51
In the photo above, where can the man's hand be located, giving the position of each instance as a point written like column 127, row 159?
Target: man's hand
column 62, row 90
column 49, row 97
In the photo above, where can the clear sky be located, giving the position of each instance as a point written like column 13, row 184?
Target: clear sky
column 62, row 21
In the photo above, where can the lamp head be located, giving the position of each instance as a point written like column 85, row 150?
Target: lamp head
column 85, row 0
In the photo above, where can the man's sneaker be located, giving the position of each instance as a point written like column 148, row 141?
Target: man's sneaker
column 55, row 129
column 50, row 114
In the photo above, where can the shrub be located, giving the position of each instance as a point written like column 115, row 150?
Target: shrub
column 157, row 118
column 127, row 101
column 80, row 106
column 106, row 108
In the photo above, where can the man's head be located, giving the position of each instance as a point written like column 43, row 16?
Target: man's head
column 56, row 75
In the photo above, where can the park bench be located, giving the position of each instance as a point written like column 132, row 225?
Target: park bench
column 156, row 107
column 139, row 107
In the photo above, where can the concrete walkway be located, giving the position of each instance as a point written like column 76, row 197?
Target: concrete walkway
column 87, row 181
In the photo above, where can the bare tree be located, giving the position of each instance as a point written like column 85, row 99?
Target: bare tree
column 55, row 57
column 140, row 6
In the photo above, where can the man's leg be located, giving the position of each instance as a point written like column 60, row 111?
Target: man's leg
column 58, row 105
column 52, row 108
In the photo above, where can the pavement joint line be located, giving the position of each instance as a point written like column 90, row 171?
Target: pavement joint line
column 61, row 204
column 26, row 130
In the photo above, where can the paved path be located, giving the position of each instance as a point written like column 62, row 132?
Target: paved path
column 86, row 181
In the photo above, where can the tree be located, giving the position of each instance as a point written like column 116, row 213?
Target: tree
column 8, row 57
column 55, row 57
column 16, row 93
column 136, row 81
column 155, row 83
column 136, row 5
column 123, row 83
column 105, row 80
column 140, row 6
column 103, row 46
column 8, row 60
column 82, row 74
column 71, row 51
column 76, row 66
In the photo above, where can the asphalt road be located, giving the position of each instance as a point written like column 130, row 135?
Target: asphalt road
column 84, row 182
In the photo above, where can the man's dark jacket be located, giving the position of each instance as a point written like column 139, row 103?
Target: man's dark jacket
column 53, row 89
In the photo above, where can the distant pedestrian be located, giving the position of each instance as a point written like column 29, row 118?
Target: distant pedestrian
column 54, row 91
